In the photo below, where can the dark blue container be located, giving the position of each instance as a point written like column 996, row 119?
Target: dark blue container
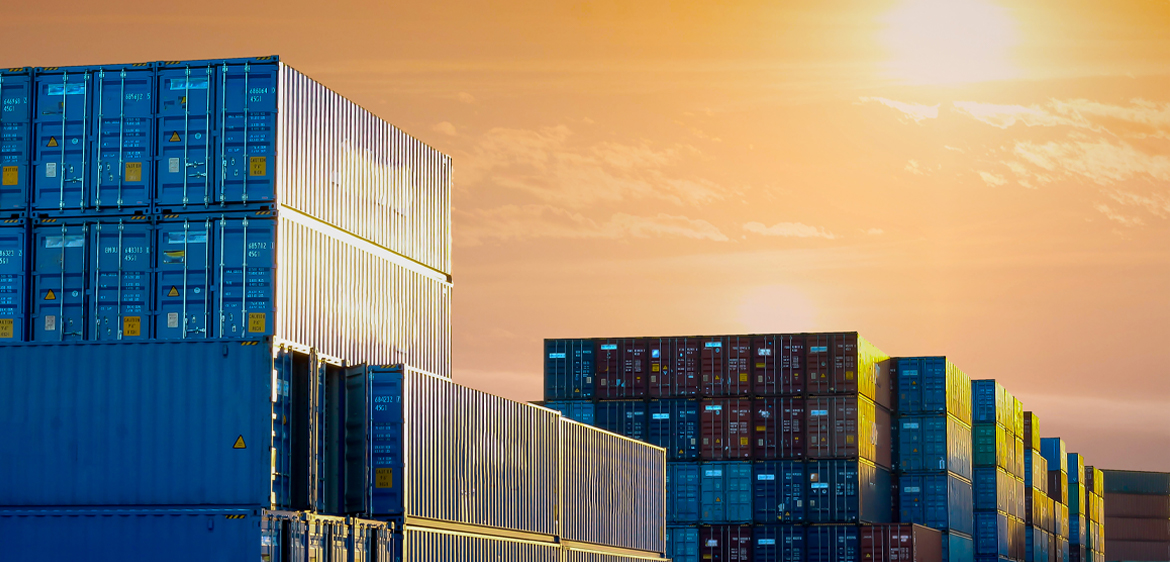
column 778, row 489
column 1053, row 451
column 957, row 547
column 624, row 417
column 991, row 533
column 568, row 369
column 674, row 426
column 833, row 543
column 122, row 280
column 576, row 410
column 932, row 385
column 683, row 493
column 121, row 178
column 16, row 92
column 779, row 543
column 936, row 442
column 13, row 280
column 727, row 492
column 62, row 125
column 682, row 544
column 841, row 491
column 990, row 404
column 993, row 489
column 941, row 501
column 60, row 303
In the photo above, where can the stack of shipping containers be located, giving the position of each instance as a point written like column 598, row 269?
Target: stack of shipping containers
column 933, row 451
column 1136, row 515
column 998, row 485
column 1039, row 530
column 1078, row 529
column 1054, row 453
column 1094, row 514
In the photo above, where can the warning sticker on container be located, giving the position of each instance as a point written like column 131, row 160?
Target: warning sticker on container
column 11, row 175
column 7, row 328
column 52, row 142
column 383, row 477
column 239, row 444
column 51, row 296
column 258, row 166
column 174, row 292
column 256, row 322
column 134, row 171
column 50, row 323
column 132, row 326
column 173, row 165
column 174, row 137
column 50, row 169
column 172, row 319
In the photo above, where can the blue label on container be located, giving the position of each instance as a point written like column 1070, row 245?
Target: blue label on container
column 818, row 412
column 766, row 542
column 912, row 489
column 609, row 346
column 714, row 408
column 660, row 416
column 910, row 425
column 189, row 84
column 713, row 473
column 910, row 372
column 655, row 354
column 765, row 477
column 714, row 344
column 556, row 356
column 66, row 89
column 820, row 486
column 818, row 349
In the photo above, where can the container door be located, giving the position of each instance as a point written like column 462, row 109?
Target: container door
column 386, row 462
column 183, row 259
column 245, row 259
column 123, row 173
column 121, row 281
column 248, row 102
column 282, row 429
column 13, row 277
column 15, row 117
column 185, row 132
column 62, row 147
column 60, row 271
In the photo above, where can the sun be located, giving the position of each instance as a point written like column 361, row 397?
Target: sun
column 949, row 42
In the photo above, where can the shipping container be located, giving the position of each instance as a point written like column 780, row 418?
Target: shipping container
column 181, row 534
column 1095, row 480
column 779, row 543
column 13, row 278
column 726, row 429
column 623, row 417
column 845, row 363
column 833, row 543
column 727, row 492
column 996, row 489
column 724, row 366
column 1032, row 431
column 568, row 369
column 683, row 493
column 778, row 365
column 682, row 544
column 932, row 385
column 674, row 367
column 957, row 547
column 1053, row 450
column 991, row 403
column 940, row 501
column 1058, row 485
column 778, row 492
column 1038, row 509
column 1136, row 505
column 576, row 410
column 1037, row 545
column 1137, row 482
column 674, row 424
column 893, row 542
column 1077, row 530
column 621, row 368
column 1138, row 528
column 575, row 554
column 1076, row 468
column 726, row 543
column 1036, row 470
column 15, row 130
column 841, row 491
column 371, row 541
column 1076, row 499
column 417, row 544
column 845, row 427
column 990, row 448
column 933, row 443
column 1137, row 550
column 992, row 534
column 779, row 428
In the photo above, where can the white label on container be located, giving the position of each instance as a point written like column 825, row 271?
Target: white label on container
column 712, row 542
column 659, row 416
column 818, row 412
column 912, row 489
column 909, row 425
column 172, row 319
column 173, row 165
column 764, row 351
column 50, row 169
column 766, row 542
column 714, row 408
column 556, row 356
column 609, row 346
column 50, row 323
column 820, row 486
column 765, row 477
column 716, row 472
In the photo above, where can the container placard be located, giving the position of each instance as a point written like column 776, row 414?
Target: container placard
column 256, row 322
column 257, row 166
column 7, row 329
column 383, row 477
column 133, row 171
column 132, row 326
column 11, row 175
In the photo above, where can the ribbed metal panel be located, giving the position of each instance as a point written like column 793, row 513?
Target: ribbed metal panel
column 345, row 166
column 430, row 545
column 613, row 489
column 577, row 555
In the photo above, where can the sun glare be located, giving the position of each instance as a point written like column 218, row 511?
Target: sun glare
column 949, row 42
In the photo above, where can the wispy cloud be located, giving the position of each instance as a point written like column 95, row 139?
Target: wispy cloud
column 917, row 112
column 1099, row 160
column 519, row 222
column 446, row 128
column 993, row 180
column 789, row 229
column 1118, row 217
column 914, row 168
column 1004, row 116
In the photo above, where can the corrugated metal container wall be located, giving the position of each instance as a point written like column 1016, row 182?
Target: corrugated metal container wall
column 994, row 489
column 932, row 443
column 432, row 545
column 184, row 535
column 848, row 427
column 1139, row 529
column 1036, row 471
column 779, row 543
column 623, row 417
column 933, row 385
column 576, row 410
column 15, row 130
column 991, row 403
column 958, row 547
column 990, row 447
column 726, row 429
column 1136, row 482
column 778, row 364
column 682, row 544
column 727, row 492
column 940, row 501
column 842, row 491
column 612, row 489
column 674, row 424
column 991, row 534
column 778, row 492
column 833, row 543
column 900, row 543
column 371, row 541
column 683, row 492
column 1053, row 450
column 344, row 166
column 580, row 555
column 726, row 367
column 568, row 369
column 726, row 543
column 1031, row 431
column 1058, row 485
column 621, row 368
column 844, row 363
column 328, row 537
column 13, row 277
column 100, row 427
column 779, row 428
column 1137, row 505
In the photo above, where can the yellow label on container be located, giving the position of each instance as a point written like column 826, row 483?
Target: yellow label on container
column 743, row 440
column 134, row 171
column 256, row 322
column 849, row 439
column 52, row 142
column 759, row 365
column 174, row 137
column 383, row 477
column 848, row 375
column 655, row 367
column 257, row 166
column 11, row 175
column 743, row 377
column 239, row 444
column 132, row 326
column 7, row 328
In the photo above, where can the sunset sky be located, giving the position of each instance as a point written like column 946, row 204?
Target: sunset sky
column 988, row 180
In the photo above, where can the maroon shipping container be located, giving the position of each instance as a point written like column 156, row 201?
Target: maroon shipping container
column 778, row 364
column 779, row 428
column 1136, row 505
column 674, row 367
column 848, row 427
column 621, row 368
column 1136, row 550
column 843, row 363
column 893, row 542
column 739, row 366
column 726, row 429
column 1137, row 529
column 726, row 543
column 717, row 379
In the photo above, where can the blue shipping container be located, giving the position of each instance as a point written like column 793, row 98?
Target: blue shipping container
column 833, row 543
column 779, row 543
column 933, row 385
column 682, row 544
column 989, row 403
column 727, row 492
column 568, row 369
column 934, row 442
column 1053, row 451
column 674, row 426
column 941, row 501
column 778, row 489
column 995, row 489
column 15, row 122
column 683, row 493
column 576, row 410
column 957, row 547
column 623, row 417
column 13, row 277
column 841, row 491
column 991, row 533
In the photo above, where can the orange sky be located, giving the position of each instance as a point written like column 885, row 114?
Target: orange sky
column 985, row 180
